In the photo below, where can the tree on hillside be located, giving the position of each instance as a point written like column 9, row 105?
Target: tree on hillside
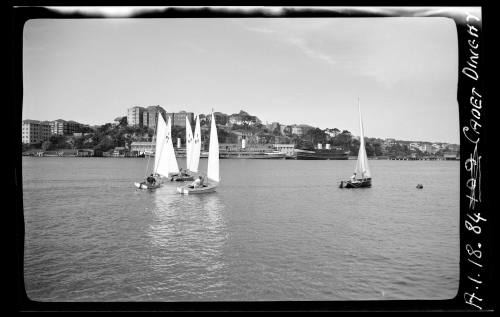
column 123, row 122
column 316, row 136
column 105, row 144
column 105, row 128
column 46, row 145
column 178, row 132
column 78, row 142
column 58, row 142
column 343, row 139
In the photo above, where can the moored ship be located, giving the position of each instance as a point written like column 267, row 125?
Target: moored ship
column 244, row 154
column 322, row 154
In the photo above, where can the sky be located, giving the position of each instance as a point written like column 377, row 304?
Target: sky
column 293, row 71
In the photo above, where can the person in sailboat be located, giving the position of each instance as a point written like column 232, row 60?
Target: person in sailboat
column 180, row 174
column 353, row 177
column 151, row 180
column 197, row 182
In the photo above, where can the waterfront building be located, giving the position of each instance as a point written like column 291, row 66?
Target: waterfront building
column 150, row 116
column 120, row 151
column 141, row 148
column 85, row 152
column 34, row 131
column 451, row 155
column 288, row 149
column 135, row 116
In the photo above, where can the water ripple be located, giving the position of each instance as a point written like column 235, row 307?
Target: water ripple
column 285, row 233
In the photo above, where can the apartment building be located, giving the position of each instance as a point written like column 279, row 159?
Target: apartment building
column 150, row 116
column 179, row 118
column 135, row 116
column 63, row 127
column 34, row 131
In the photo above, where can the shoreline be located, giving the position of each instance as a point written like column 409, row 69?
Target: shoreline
column 251, row 158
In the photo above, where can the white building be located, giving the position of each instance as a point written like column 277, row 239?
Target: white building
column 285, row 148
column 135, row 116
column 140, row 148
column 34, row 131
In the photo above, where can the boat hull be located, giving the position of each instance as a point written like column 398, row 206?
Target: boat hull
column 357, row 184
column 246, row 155
column 321, row 155
column 186, row 190
column 146, row 186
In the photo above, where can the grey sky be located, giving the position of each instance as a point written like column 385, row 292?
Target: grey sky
column 310, row 71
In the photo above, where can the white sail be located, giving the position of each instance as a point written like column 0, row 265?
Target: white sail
column 213, row 154
column 189, row 143
column 161, row 133
column 362, row 169
column 165, row 161
column 196, row 149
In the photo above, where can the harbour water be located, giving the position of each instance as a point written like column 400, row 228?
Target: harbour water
column 275, row 230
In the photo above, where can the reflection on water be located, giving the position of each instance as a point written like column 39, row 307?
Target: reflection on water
column 187, row 236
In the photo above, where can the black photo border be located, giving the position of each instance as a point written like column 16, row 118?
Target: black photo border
column 477, row 219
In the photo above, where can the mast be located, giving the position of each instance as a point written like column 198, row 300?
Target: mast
column 213, row 153
column 165, row 161
column 161, row 133
column 195, row 148
column 362, row 170
column 153, row 139
column 189, row 143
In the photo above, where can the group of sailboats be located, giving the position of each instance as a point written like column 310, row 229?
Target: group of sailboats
column 166, row 163
column 193, row 148
column 166, row 166
column 212, row 166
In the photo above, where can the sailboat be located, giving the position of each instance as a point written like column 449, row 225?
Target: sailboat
column 193, row 146
column 165, row 161
column 212, row 168
column 362, row 175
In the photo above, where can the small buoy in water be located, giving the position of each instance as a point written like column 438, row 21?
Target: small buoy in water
column 419, row 186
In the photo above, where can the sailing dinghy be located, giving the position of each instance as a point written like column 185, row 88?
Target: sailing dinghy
column 212, row 169
column 362, row 175
column 193, row 147
column 165, row 161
